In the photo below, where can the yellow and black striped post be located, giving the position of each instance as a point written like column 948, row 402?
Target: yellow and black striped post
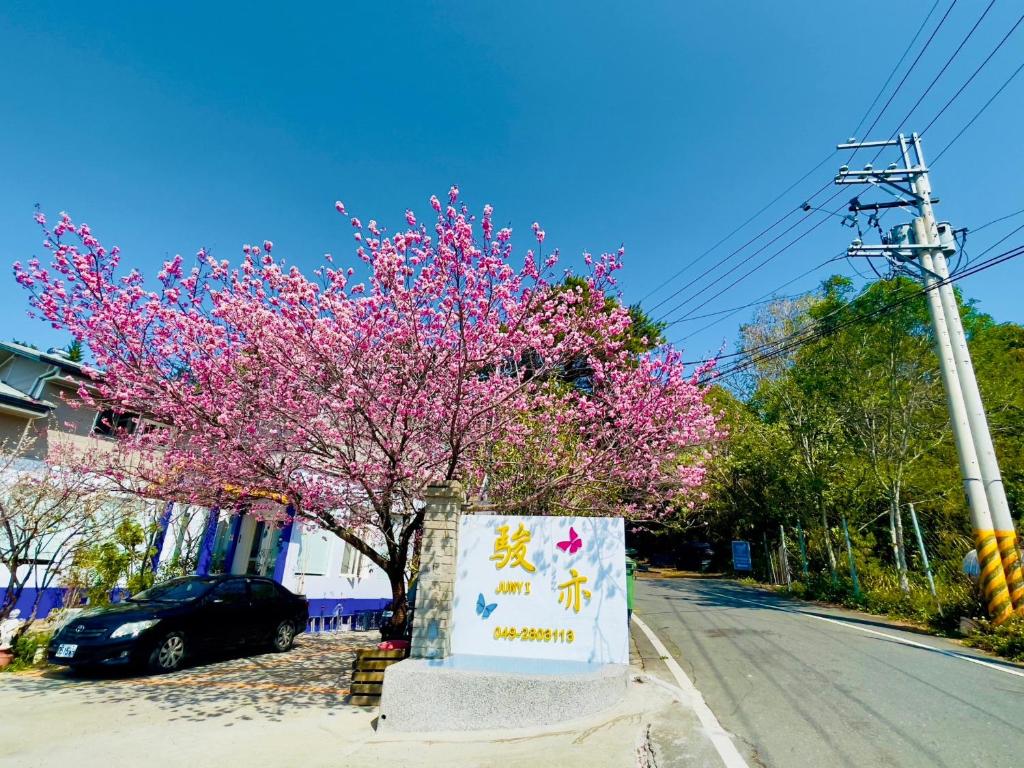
column 992, row 578
column 1010, row 556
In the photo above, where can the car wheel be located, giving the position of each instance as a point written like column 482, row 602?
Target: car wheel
column 168, row 654
column 284, row 636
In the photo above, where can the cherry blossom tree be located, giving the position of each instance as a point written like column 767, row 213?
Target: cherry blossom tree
column 49, row 513
column 438, row 354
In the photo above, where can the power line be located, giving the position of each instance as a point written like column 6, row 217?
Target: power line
column 760, row 265
column 808, row 335
column 818, row 321
column 802, row 178
column 766, row 298
column 973, row 74
column 754, row 239
column 935, row 79
column 996, row 221
column 764, row 208
column 917, row 58
column 873, row 124
column 892, row 73
column 977, row 114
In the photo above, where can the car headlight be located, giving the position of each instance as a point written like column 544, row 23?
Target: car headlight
column 133, row 628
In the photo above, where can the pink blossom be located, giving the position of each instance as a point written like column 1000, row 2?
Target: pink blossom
column 345, row 402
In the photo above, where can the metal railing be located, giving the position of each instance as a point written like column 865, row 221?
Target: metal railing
column 360, row 621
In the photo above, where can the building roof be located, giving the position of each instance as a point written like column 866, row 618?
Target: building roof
column 13, row 396
column 51, row 356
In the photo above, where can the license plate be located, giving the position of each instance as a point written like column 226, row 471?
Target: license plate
column 66, row 650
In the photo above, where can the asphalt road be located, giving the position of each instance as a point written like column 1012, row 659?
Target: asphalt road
column 801, row 685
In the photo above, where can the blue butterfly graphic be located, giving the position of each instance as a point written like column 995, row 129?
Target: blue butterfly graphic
column 482, row 608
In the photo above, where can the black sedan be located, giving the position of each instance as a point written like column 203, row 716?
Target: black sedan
column 175, row 620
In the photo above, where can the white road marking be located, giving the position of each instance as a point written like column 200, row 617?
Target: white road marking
column 897, row 638
column 719, row 736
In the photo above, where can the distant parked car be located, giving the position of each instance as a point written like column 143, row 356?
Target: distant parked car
column 695, row 556
column 162, row 627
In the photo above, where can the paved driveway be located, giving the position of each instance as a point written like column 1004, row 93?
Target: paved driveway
column 262, row 703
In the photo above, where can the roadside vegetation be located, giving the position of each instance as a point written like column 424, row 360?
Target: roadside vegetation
column 842, row 432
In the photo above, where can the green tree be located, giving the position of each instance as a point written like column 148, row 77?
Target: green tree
column 122, row 560
column 74, row 351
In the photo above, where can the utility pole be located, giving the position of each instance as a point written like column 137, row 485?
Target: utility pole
column 918, row 247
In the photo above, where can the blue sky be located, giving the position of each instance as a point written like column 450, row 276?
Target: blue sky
column 660, row 126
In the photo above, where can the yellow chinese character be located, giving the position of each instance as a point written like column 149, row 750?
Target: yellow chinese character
column 513, row 552
column 572, row 590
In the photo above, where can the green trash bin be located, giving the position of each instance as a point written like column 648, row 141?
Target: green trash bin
column 630, row 579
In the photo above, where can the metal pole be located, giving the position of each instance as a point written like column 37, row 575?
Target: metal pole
column 853, row 565
column 924, row 557
column 784, row 557
column 803, row 549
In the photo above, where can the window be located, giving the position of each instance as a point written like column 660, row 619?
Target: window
column 349, row 560
column 108, row 423
column 263, row 592
column 233, row 592
column 175, row 590
column 314, row 553
column 263, row 551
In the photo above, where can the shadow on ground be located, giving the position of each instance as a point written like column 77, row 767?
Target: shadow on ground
column 317, row 672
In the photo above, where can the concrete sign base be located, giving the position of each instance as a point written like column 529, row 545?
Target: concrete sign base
column 464, row 692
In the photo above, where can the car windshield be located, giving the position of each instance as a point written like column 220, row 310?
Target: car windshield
column 175, row 590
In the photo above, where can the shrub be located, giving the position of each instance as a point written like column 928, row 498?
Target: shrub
column 25, row 648
column 1007, row 640
column 880, row 593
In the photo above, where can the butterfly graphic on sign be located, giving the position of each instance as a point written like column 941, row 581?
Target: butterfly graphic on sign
column 573, row 544
column 482, row 609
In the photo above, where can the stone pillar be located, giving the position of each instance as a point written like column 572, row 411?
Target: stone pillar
column 432, row 620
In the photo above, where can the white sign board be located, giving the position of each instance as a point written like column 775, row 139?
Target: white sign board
column 541, row 588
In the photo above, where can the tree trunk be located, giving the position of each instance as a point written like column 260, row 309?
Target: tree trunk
column 896, row 553
column 901, row 548
column 394, row 628
column 828, row 539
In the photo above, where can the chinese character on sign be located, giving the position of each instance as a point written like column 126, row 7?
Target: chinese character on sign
column 572, row 590
column 512, row 552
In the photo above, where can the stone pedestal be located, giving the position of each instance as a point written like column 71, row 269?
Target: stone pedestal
column 466, row 693
column 432, row 620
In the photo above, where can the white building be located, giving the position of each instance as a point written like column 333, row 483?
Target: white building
column 337, row 580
